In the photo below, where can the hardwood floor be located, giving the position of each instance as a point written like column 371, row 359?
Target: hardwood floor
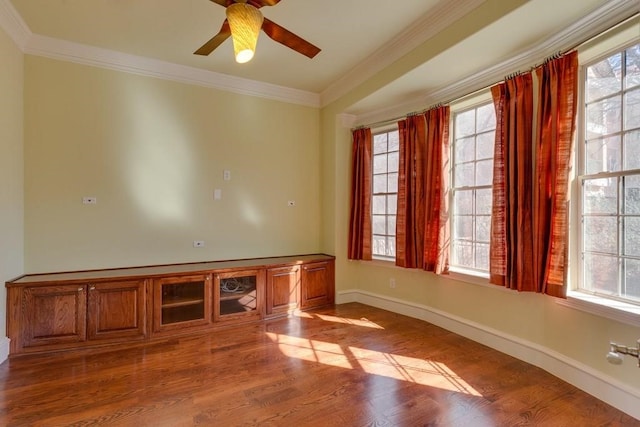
column 351, row 365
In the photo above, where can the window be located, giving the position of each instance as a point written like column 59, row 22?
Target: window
column 610, row 177
column 473, row 141
column 385, row 193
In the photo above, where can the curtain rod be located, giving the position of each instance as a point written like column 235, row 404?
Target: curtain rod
column 482, row 89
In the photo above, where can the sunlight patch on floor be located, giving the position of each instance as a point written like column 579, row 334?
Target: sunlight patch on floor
column 311, row 350
column 357, row 322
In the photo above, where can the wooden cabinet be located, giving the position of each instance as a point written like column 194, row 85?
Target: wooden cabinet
column 54, row 315
column 317, row 284
column 117, row 310
column 67, row 314
column 238, row 294
column 60, row 311
column 283, row 290
column 181, row 302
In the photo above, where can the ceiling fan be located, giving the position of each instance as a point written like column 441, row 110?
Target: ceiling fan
column 243, row 24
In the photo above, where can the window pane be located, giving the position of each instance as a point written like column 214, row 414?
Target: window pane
column 632, row 278
column 484, row 201
column 379, row 184
column 379, row 205
column 601, row 274
column 632, row 195
column 603, row 155
column 379, row 143
column 483, row 228
column 463, row 228
column 465, row 123
column 484, row 172
column 604, row 77
column 603, row 117
column 463, row 254
column 464, row 175
column 632, row 150
column 393, row 162
column 391, row 225
column 600, row 234
column 392, row 183
column 632, row 236
column 633, row 66
column 486, row 118
column 394, row 140
column 391, row 247
column 380, row 163
column 379, row 245
column 392, row 204
column 463, row 200
column 465, row 149
column 484, row 145
column 601, row 196
column 632, row 109
column 378, row 224
column 482, row 256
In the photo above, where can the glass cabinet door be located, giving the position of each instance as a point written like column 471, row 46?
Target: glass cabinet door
column 239, row 294
column 183, row 301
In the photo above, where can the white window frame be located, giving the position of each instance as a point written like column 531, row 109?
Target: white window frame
column 389, row 234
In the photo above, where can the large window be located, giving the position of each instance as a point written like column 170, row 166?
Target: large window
column 385, row 193
column 473, row 141
column 610, row 177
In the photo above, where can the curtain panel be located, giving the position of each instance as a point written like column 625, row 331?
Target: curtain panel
column 436, row 229
column 360, row 234
column 556, row 118
column 511, row 241
column 410, row 217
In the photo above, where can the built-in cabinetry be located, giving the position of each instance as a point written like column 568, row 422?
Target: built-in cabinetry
column 56, row 311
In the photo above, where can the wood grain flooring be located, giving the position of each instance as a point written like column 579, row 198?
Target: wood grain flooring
column 349, row 365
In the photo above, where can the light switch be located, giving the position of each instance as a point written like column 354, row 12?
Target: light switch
column 217, row 194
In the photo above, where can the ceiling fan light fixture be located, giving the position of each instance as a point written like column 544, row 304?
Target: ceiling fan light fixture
column 245, row 22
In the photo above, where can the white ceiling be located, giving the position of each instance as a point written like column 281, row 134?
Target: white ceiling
column 354, row 35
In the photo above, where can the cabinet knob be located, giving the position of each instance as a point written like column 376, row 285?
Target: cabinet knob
column 80, row 289
column 92, row 288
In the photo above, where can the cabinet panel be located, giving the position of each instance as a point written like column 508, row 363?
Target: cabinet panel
column 283, row 290
column 54, row 315
column 117, row 310
column 317, row 284
column 238, row 294
column 181, row 302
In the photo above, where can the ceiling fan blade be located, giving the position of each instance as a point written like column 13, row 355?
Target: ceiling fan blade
column 261, row 3
column 287, row 38
column 215, row 41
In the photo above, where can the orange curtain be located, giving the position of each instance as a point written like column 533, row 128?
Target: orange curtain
column 436, row 229
column 410, row 217
column 511, row 243
column 557, row 102
column 360, row 212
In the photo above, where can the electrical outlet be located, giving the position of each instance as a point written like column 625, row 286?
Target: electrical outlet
column 392, row 283
column 226, row 175
column 198, row 243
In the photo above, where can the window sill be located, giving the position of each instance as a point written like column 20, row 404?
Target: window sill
column 615, row 310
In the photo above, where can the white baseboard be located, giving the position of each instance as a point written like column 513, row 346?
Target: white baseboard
column 603, row 387
column 4, row 349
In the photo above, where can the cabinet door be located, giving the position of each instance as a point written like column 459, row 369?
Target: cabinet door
column 238, row 294
column 181, row 302
column 283, row 290
column 117, row 310
column 54, row 315
column 317, row 284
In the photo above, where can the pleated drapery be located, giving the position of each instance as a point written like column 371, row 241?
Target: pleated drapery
column 360, row 233
column 556, row 118
column 422, row 223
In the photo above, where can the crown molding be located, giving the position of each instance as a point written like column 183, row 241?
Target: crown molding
column 104, row 58
column 13, row 24
column 445, row 14
column 586, row 28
